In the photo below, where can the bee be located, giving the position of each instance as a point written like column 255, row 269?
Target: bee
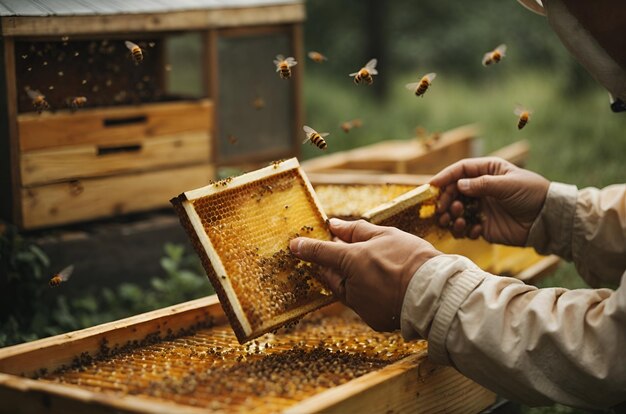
column 523, row 114
column 495, row 55
column 283, row 66
column 258, row 103
column 39, row 100
column 317, row 57
column 365, row 73
column 62, row 276
column 316, row 138
column 77, row 102
column 422, row 86
column 233, row 140
column 135, row 51
column 348, row 125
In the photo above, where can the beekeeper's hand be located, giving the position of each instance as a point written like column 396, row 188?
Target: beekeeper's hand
column 510, row 199
column 368, row 268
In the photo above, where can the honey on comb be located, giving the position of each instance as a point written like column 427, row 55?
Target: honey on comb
column 246, row 223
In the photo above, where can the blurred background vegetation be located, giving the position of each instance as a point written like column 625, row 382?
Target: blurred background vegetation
column 574, row 137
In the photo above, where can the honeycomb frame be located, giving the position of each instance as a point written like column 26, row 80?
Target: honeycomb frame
column 412, row 211
column 254, row 310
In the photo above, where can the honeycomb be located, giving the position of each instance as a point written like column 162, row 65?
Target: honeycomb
column 241, row 228
column 413, row 211
column 351, row 201
column 208, row 368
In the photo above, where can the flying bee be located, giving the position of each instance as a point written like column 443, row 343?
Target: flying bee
column 365, row 73
column 39, row 100
column 317, row 57
column 258, row 103
column 233, row 140
column 495, row 55
column 523, row 114
column 77, row 102
column 61, row 277
column 316, row 138
column 348, row 125
column 135, row 51
column 283, row 66
column 420, row 88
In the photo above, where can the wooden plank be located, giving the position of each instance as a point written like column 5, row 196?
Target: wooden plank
column 110, row 126
column 297, row 44
column 56, row 351
column 79, row 200
column 516, row 153
column 152, row 22
column 70, row 163
column 412, row 385
column 9, row 172
column 211, row 83
column 20, row 395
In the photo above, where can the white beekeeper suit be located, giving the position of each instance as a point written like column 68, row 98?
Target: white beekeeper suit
column 539, row 346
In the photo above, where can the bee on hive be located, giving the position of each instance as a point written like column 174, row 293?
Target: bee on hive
column 39, row 100
column 317, row 57
column 135, row 51
column 420, row 88
column 523, row 114
column 283, row 66
column 495, row 55
column 77, row 102
column 365, row 73
column 316, row 138
column 232, row 139
column 61, row 277
column 258, row 103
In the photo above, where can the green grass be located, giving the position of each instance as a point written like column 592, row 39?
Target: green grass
column 574, row 137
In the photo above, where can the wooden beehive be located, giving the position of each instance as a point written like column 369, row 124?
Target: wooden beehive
column 186, row 359
column 147, row 130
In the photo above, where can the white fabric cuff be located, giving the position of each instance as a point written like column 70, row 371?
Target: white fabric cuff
column 435, row 293
column 551, row 233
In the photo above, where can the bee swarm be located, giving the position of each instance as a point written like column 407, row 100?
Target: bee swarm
column 208, row 368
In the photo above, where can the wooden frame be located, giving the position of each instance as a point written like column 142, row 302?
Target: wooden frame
column 152, row 22
column 412, row 384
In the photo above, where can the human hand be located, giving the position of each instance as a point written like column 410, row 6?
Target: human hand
column 369, row 269
column 510, row 199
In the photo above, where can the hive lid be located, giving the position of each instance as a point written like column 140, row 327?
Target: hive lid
column 241, row 228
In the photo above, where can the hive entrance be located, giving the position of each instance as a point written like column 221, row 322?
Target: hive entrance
column 241, row 229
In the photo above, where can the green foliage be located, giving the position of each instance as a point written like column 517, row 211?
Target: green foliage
column 27, row 316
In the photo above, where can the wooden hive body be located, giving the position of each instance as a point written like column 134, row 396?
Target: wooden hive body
column 185, row 359
column 157, row 127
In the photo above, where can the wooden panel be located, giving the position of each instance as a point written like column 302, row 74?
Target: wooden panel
column 9, row 173
column 112, row 125
column 67, row 163
column 78, row 200
column 145, row 22
column 403, row 390
column 401, row 157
